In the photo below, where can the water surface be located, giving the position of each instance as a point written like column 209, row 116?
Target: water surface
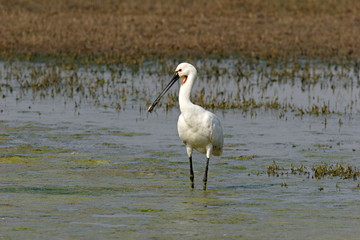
column 74, row 166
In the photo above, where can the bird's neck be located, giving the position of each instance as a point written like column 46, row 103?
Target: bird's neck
column 184, row 93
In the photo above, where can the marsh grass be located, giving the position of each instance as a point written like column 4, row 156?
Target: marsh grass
column 133, row 30
column 336, row 170
column 318, row 88
column 318, row 171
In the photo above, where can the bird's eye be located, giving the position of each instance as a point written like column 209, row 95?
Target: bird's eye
column 179, row 70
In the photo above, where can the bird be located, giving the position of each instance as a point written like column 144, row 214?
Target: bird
column 198, row 128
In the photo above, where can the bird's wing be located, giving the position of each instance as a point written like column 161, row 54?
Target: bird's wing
column 216, row 137
column 215, row 130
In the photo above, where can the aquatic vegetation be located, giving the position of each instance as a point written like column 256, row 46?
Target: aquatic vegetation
column 148, row 210
column 336, row 170
column 15, row 159
column 22, row 229
column 319, row 171
column 91, row 161
column 29, row 149
column 302, row 170
column 4, row 137
column 241, row 157
column 274, row 169
column 249, row 85
column 61, row 190
column 240, row 167
column 312, row 155
column 110, row 144
column 127, row 134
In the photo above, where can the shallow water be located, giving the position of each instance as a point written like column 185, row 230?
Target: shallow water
column 83, row 171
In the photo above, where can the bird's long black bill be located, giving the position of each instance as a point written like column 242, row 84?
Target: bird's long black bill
column 173, row 80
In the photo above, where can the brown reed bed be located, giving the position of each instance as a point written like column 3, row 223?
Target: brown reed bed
column 134, row 30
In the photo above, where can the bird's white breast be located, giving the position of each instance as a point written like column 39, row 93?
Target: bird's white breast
column 198, row 128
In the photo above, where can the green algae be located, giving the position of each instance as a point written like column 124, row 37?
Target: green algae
column 91, row 161
column 240, row 167
column 110, row 145
column 228, row 136
column 22, row 229
column 241, row 158
column 29, row 149
column 26, row 127
column 5, row 137
column 62, row 190
column 148, row 159
column 128, row 134
column 82, row 135
column 316, row 155
column 85, row 159
column 148, row 210
column 165, row 154
column 17, row 159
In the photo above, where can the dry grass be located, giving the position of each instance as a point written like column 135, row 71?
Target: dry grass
column 112, row 30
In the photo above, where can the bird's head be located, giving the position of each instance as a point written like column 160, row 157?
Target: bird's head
column 183, row 70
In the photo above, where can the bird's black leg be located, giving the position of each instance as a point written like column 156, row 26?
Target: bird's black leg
column 206, row 173
column 191, row 173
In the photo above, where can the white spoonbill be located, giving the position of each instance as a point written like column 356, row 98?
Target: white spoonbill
column 198, row 129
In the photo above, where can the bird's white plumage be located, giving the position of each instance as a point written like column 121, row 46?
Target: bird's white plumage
column 198, row 129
